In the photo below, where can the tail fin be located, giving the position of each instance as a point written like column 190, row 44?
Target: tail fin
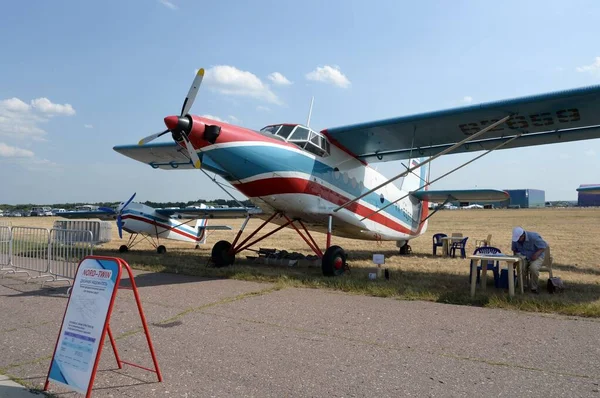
column 201, row 224
column 418, row 177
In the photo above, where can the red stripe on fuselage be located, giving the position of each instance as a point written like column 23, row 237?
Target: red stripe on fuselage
column 276, row 186
column 125, row 217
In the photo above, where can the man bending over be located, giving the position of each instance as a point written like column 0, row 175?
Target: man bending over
column 531, row 246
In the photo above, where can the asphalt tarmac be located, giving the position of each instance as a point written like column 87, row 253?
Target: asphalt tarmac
column 218, row 338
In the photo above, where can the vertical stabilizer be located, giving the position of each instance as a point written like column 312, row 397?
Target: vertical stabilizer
column 201, row 224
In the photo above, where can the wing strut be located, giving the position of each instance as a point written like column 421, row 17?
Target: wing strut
column 445, row 151
column 442, row 176
column 220, row 185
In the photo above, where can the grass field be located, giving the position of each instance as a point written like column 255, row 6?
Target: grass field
column 572, row 234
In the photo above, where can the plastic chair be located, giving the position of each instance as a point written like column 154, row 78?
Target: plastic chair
column 437, row 242
column 546, row 267
column 493, row 266
column 459, row 245
column 484, row 242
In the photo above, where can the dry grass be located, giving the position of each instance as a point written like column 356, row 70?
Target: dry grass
column 572, row 234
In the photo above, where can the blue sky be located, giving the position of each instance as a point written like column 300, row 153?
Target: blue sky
column 78, row 77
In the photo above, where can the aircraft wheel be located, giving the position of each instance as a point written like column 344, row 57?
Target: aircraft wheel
column 221, row 255
column 405, row 249
column 161, row 249
column 123, row 249
column 334, row 261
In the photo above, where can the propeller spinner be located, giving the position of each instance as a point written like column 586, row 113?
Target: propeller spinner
column 180, row 126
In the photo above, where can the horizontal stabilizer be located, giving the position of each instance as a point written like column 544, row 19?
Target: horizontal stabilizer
column 466, row 195
column 217, row 228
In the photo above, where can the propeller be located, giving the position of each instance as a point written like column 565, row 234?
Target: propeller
column 180, row 126
column 119, row 212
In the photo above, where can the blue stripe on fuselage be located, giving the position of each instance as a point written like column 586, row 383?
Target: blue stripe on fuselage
column 247, row 161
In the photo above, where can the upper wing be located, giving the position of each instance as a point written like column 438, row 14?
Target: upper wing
column 543, row 119
column 103, row 215
column 467, row 195
column 231, row 212
column 167, row 156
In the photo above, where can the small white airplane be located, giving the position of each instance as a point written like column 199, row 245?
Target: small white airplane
column 150, row 223
column 321, row 181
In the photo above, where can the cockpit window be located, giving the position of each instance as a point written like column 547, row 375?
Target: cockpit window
column 301, row 136
column 271, row 129
column 285, row 131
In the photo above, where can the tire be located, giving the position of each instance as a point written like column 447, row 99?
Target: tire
column 161, row 249
column 221, row 256
column 123, row 249
column 334, row 261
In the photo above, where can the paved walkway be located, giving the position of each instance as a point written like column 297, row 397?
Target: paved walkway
column 233, row 338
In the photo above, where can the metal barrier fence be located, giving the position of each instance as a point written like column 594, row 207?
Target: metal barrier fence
column 5, row 239
column 101, row 230
column 52, row 254
column 29, row 251
column 66, row 248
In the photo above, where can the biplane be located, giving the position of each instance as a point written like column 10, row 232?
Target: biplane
column 147, row 223
column 324, row 180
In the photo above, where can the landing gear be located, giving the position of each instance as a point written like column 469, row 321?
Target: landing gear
column 222, row 254
column 334, row 261
column 123, row 249
column 161, row 249
column 405, row 249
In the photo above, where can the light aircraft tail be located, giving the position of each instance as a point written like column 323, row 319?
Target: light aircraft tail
column 201, row 225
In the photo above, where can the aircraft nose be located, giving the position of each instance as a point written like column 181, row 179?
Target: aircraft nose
column 171, row 122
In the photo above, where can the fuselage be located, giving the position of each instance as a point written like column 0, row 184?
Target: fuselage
column 278, row 175
column 139, row 218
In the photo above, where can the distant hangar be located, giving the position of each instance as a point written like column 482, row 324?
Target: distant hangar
column 588, row 195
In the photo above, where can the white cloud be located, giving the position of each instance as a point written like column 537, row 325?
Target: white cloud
column 329, row 74
column 14, row 105
column 44, row 105
column 23, row 121
column 466, row 100
column 229, row 80
column 263, row 108
column 279, row 79
column 218, row 119
column 88, row 126
column 593, row 68
column 168, row 4
column 229, row 119
column 7, row 151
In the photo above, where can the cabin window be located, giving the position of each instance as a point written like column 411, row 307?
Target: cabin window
column 300, row 134
column 285, row 131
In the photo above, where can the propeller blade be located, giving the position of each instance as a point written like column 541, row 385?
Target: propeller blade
column 120, row 226
column 193, row 155
column 191, row 96
column 152, row 137
column 127, row 203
